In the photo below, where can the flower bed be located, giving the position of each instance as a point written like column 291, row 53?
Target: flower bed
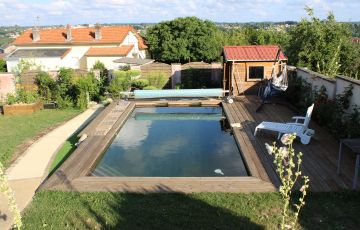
column 18, row 109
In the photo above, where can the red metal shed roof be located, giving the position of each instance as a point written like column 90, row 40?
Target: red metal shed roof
column 252, row 53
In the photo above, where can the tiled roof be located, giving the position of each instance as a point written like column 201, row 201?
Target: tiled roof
column 252, row 53
column 109, row 34
column 109, row 51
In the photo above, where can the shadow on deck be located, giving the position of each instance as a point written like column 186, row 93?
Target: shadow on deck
column 319, row 157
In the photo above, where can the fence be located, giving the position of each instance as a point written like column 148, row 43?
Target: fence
column 334, row 86
column 193, row 74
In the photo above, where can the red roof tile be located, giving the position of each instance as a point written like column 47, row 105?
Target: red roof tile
column 252, row 53
column 109, row 34
column 109, row 51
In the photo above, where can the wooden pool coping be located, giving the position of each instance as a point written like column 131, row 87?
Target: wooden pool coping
column 72, row 175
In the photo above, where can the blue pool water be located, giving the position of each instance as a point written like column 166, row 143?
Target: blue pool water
column 172, row 142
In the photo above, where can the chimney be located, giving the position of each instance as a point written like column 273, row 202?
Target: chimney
column 68, row 33
column 35, row 34
column 97, row 31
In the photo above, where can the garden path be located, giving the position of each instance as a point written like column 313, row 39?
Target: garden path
column 27, row 173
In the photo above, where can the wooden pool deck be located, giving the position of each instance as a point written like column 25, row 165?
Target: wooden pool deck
column 319, row 160
column 319, row 157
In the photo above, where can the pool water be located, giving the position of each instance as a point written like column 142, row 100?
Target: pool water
column 173, row 142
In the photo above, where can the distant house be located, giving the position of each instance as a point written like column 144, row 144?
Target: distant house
column 77, row 48
column 245, row 66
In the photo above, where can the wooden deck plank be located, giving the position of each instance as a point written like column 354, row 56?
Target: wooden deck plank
column 320, row 156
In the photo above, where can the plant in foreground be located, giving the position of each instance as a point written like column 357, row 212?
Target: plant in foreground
column 288, row 168
column 9, row 194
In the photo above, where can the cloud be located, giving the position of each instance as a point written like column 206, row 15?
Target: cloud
column 127, row 11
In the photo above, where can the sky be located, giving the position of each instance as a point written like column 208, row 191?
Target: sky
column 62, row 12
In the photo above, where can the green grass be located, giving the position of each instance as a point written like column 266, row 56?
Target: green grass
column 15, row 130
column 72, row 210
column 66, row 149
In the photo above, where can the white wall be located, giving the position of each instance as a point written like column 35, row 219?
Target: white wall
column 108, row 62
column 45, row 63
column 317, row 80
column 75, row 58
column 334, row 86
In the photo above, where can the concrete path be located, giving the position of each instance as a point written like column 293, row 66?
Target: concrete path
column 28, row 172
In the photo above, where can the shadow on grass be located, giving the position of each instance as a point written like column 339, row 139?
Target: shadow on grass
column 160, row 211
column 331, row 210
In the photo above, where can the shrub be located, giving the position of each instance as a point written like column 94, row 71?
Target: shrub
column 118, row 84
column 140, row 83
column 124, row 67
column 22, row 96
column 104, row 83
column 76, row 90
column 26, row 96
column 133, row 73
column 11, row 99
column 157, row 79
column 3, row 67
column 299, row 93
column 46, row 86
column 85, row 88
column 150, row 87
column 64, row 102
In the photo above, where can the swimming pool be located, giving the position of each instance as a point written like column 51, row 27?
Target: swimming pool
column 172, row 142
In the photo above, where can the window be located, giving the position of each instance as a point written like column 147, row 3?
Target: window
column 256, row 72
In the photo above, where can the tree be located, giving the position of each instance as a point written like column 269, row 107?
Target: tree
column 3, row 65
column 184, row 40
column 104, row 82
column 321, row 45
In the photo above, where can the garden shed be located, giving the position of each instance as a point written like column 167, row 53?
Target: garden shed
column 246, row 66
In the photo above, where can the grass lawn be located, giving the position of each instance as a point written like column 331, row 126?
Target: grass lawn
column 66, row 149
column 15, row 130
column 72, row 210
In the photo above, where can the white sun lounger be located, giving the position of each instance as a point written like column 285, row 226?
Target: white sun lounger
column 299, row 128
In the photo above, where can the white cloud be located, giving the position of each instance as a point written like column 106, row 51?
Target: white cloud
column 127, row 11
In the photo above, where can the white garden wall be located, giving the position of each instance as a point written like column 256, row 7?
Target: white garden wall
column 334, row 86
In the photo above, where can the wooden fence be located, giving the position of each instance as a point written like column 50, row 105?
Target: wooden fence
column 196, row 74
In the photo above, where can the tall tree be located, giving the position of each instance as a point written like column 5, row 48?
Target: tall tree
column 184, row 40
column 321, row 45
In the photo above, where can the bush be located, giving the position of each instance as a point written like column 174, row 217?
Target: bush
column 140, row 83
column 104, row 82
column 299, row 93
column 86, row 88
column 75, row 90
column 150, row 87
column 3, row 67
column 124, row 67
column 118, row 84
column 46, row 86
column 157, row 79
column 22, row 96
column 64, row 102
column 11, row 99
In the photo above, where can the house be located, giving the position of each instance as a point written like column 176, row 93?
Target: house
column 244, row 67
column 77, row 48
